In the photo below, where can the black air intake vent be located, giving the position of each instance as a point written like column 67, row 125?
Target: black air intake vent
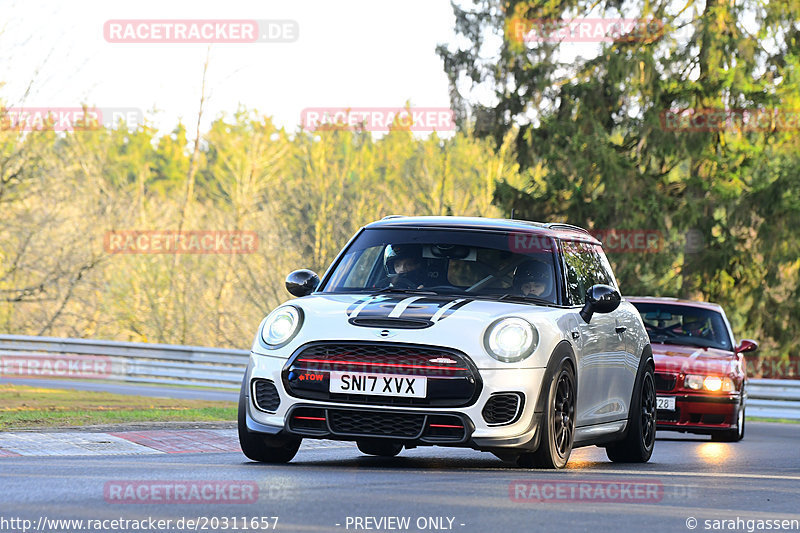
column 396, row 323
column 266, row 395
column 502, row 408
column 379, row 424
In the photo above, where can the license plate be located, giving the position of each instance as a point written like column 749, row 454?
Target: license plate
column 378, row 384
column 666, row 403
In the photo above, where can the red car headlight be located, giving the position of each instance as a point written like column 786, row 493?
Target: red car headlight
column 709, row 383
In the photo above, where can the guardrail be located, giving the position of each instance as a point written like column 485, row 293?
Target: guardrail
column 141, row 362
column 774, row 398
column 138, row 362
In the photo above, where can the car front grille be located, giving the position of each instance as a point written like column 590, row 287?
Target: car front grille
column 502, row 408
column 665, row 382
column 266, row 395
column 347, row 422
column 352, row 424
column 668, row 416
column 452, row 378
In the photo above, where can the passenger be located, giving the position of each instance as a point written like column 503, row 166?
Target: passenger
column 534, row 278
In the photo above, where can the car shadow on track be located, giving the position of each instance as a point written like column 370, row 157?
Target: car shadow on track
column 444, row 463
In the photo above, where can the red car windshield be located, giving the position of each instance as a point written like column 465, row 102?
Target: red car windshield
column 684, row 325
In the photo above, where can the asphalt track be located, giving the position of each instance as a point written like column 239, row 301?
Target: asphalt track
column 330, row 486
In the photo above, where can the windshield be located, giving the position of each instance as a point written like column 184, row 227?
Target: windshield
column 684, row 325
column 473, row 263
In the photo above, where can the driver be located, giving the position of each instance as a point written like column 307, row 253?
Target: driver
column 695, row 326
column 534, row 278
column 403, row 264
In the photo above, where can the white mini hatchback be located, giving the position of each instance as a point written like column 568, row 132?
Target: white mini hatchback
column 504, row 336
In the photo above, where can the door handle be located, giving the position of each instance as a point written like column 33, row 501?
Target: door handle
column 575, row 335
column 620, row 329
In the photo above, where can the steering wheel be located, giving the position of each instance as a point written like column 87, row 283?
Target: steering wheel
column 665, row 330
column 695, row 328
column 402, row 282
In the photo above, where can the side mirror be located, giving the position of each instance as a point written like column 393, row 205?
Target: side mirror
column 600, row 299
column 302, row 282
column 746, row 346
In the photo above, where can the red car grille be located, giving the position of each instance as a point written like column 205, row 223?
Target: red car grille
column 665, row 382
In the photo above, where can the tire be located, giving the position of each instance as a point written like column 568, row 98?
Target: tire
column 558, row 423
column 260, row 447
column 732, row 435
column 379, row 448
column 640, row 439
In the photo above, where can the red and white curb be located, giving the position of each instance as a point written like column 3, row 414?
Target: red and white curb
column 127, row 442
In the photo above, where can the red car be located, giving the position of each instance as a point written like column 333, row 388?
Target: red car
column 700, row 370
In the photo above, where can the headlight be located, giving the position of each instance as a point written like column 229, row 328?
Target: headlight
column 281, row 326
column 510, row 339
column 693, row 382
column 712, row 383
column 709, row 383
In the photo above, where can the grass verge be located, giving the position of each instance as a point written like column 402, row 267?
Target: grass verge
column 23, row 407
column 764, row 419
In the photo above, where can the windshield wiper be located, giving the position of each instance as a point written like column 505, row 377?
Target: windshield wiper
column 697, row 344
column 680, row 341
column 527, row 299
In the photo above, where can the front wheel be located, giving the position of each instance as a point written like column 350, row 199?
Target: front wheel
column 261, row 447
column 638, row 444
column 558, row 424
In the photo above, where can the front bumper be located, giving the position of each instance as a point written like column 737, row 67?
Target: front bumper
column 700, row 413
column 424, row 425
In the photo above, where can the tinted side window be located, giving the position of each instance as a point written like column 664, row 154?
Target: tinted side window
column 586, row 266
column 579, row 276
column 604, row 268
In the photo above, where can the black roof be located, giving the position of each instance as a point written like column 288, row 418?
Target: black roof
column 555, row 230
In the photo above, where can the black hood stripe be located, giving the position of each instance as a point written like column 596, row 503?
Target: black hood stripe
column 389, row 306
column 402, row 306
column 358, row 305
column 450, row 309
